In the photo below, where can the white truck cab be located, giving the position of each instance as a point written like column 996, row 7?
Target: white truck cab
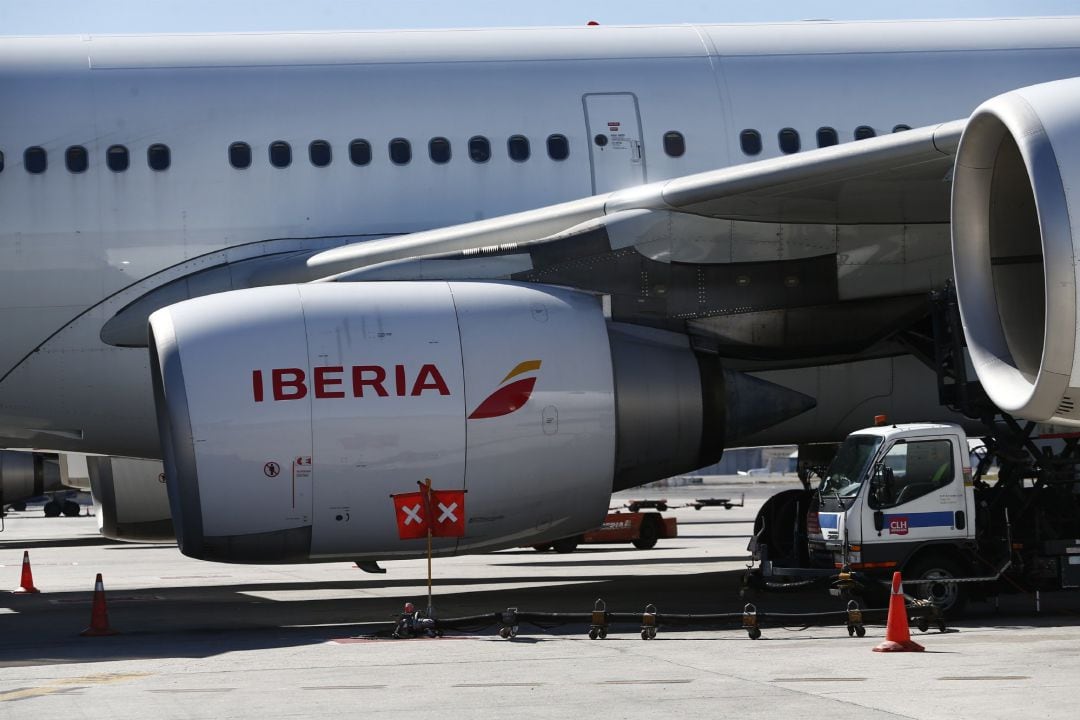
column 892, row 491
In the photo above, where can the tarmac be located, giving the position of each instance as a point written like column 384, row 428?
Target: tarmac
column 201, row 640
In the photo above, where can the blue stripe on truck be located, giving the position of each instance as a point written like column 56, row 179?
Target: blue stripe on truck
column 924, row 519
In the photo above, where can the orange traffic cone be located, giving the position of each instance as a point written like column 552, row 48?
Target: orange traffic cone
column 26, row 582
column 897, row 633
column 99, row 616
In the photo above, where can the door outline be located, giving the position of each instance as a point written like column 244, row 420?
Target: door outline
column 589, row 133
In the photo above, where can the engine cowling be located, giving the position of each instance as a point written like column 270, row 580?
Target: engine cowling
column 24, row 475
column 1016, row 199
column 290, row 414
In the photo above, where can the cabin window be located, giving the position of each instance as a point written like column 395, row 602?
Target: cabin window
column 750, row 141
column 76, row 159
column 1, row 161
column 518, row 148
column 117, row 158
column 400, row 151
column 863, row 132
column 674, row 143
column 280, row 154
column 827, row 137
column 240, row 155
column 558, row 147
column 35, row 160
column 319, row 153
column 360, row 152
column 439, row 150
column 158, row 157
column 789, row 140
column 479, row 149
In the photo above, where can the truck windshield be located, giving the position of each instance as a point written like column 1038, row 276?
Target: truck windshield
column 848, row 468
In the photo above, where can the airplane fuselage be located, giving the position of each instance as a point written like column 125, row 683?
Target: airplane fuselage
column 129, row 162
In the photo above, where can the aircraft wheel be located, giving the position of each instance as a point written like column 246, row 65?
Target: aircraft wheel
column 566, row 545
column 71, row 508
column 52, row 509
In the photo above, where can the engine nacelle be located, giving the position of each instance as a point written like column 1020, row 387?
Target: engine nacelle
column 24, row 475
column 1015, row 216
column 290, row 414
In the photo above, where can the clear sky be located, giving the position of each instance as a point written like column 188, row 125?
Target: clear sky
column 21, row 17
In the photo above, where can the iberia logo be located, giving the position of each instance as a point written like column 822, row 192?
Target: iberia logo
column 510, row 395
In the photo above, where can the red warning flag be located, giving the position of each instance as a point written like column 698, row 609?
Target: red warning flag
column 444, row 510
column 448, row 513
column 412, row 515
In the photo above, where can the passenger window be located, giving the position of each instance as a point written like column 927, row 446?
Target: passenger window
column 900, row 128
column 439, row 150
column 789, row 140
column 76, row 160
column 319, row 153
column 360, row 152
column 558, row 147
column 158, row 157
column 750, row 141
column 827, row 137
column 400, row 151
column 674, row 143
column 914, row 469
column 863, row 132
column 35, row 160
column 479, row 149
column 518, row 148
column 1, row 161
column 280, row 154
column 240, row 155
column 117, row 158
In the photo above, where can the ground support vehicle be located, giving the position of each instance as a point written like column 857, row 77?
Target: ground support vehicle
column 643, row 529
column 916, row 498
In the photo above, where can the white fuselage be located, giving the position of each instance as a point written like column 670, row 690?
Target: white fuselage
column 76, row 247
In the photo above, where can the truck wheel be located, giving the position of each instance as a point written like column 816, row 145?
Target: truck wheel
column 566, row 545
column 647, row 537
column 949, row 597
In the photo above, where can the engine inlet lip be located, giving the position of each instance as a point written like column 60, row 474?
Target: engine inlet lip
column 1010, row 388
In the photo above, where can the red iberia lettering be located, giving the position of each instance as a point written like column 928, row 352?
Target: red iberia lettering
column 429, row 378
column 330, row 382
column 372, row 376
column 323, row 382
column 288, row 383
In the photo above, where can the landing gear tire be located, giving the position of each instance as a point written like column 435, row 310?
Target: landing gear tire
column 950, row 598
column 52, row 509
column 566, row 545
column 70, row 508
column 17, row 507
column 542, row 547
column 647, row 538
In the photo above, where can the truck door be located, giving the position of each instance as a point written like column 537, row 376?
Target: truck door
column 922, row 499
column 615, row 148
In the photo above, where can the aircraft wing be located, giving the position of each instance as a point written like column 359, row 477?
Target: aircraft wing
column 903, row 178
column 822, row 253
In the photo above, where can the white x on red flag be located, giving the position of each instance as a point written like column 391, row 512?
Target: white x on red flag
column 443, row 512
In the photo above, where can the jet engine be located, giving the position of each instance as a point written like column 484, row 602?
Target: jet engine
column 1016, row 229
column 24, row 475
column 290, row 414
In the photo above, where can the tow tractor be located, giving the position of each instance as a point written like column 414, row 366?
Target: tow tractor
column 915, row 498
column 642, row 529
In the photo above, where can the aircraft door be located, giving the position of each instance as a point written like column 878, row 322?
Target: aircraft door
column 615, row 147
